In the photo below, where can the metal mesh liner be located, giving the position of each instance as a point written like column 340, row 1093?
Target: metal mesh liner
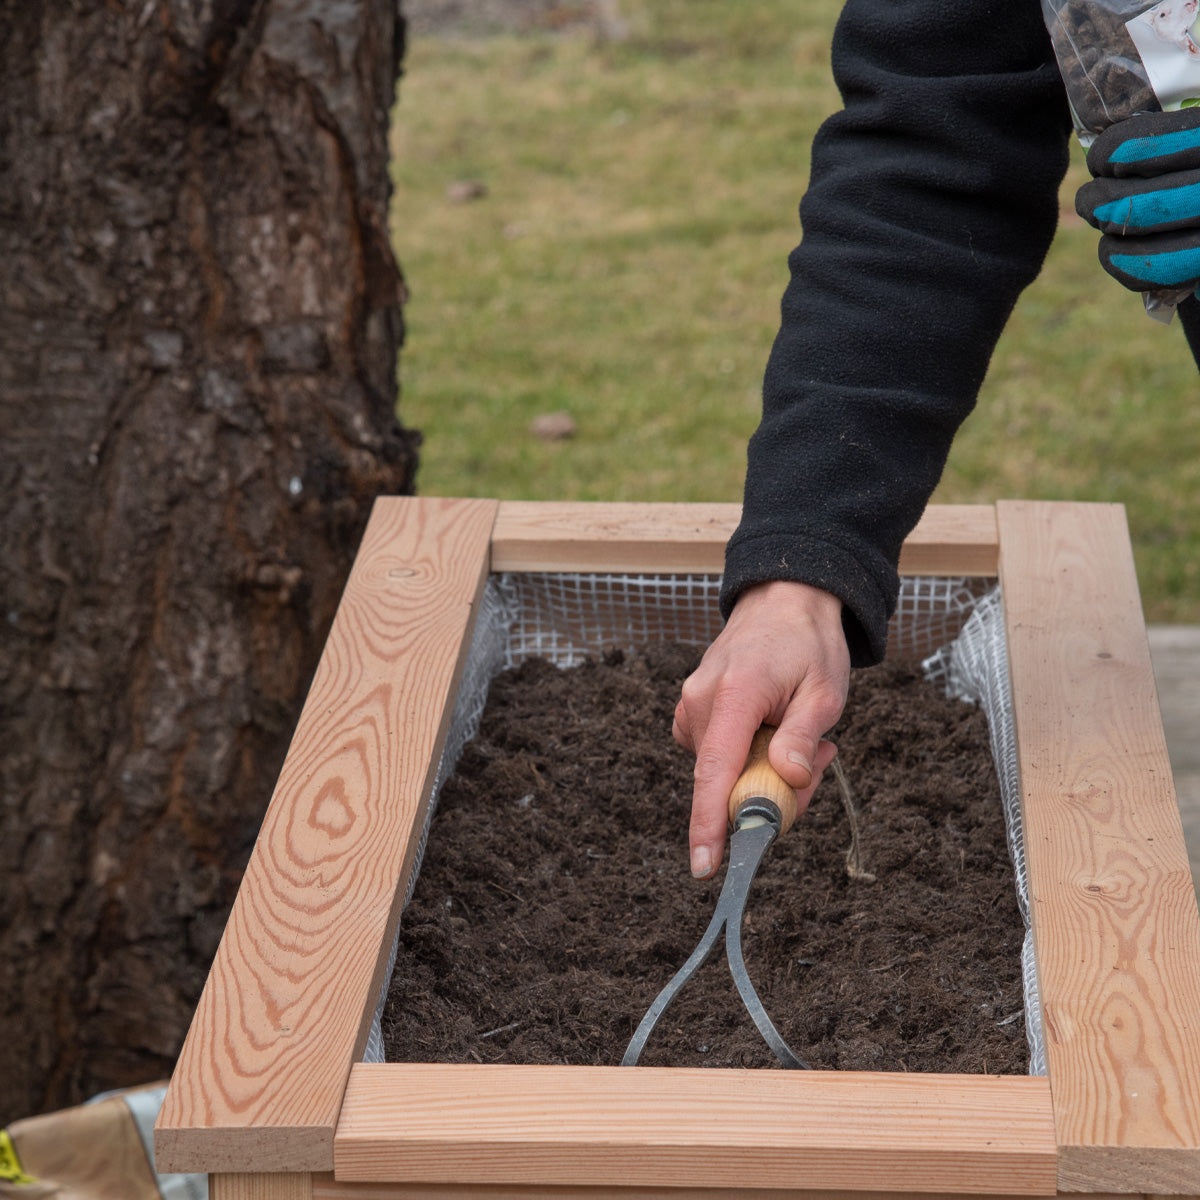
column 956, row 625
column 566, row 618
column 976, row 669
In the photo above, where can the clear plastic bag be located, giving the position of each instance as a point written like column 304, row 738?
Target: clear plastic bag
column 1119, row 58
column 1105, row 77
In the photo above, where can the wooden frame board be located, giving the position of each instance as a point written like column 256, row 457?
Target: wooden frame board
column 270, row 1096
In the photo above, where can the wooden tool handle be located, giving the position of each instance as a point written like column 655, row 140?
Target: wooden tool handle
column 760, row 780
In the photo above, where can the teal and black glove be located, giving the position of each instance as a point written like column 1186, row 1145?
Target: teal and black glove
column 1145, row 199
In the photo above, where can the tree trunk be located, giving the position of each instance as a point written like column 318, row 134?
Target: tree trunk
column 199, row 322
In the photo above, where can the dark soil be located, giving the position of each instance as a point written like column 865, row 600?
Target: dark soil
column 555, row 901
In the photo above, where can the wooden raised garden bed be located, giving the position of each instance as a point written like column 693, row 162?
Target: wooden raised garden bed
column 270, row 1095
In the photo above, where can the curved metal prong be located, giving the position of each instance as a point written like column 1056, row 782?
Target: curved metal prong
column 758, row 1014
column 746, row 848
column 698, row 957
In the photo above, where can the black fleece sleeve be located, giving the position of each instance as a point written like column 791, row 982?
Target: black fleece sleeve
column 932, row 201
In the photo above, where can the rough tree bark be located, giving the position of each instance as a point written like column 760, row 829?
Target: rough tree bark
column 199, row 322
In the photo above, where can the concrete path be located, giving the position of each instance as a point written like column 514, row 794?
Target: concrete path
column 1175, row 650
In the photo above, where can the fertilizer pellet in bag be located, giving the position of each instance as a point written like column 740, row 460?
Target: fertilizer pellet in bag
column 1119, row 58
column 1105, row 77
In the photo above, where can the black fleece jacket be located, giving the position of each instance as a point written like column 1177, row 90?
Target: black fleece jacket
column 932, row 201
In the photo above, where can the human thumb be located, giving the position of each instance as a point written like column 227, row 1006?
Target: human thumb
column 800, row 759
column 793, row 754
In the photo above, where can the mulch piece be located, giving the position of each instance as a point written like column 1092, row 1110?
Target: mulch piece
column 554, row 901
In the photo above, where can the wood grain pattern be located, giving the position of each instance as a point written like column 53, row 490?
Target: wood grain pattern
column 645, row 1127
column 262, row 1076
column 952, row 539
column 680, row 538
column 284, row 1013
column 1115, row 923
column 535, row 535
column 326, row 1187
column 283, row 1186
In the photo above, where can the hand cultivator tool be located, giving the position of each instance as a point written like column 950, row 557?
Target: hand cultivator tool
column 761, row 807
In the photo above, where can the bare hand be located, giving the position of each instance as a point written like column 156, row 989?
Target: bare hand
column 781, row 658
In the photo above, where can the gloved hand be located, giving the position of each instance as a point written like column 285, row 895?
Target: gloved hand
column 1145, row 199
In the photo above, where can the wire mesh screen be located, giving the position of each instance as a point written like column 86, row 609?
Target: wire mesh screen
column 565, row 618
column 954, row 624
column 976, row 669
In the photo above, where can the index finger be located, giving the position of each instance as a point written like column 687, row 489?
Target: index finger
column 1148, row 144
column 720, row 756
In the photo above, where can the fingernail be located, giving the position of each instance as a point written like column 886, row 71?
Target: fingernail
column 794, row 756
column 701, row 862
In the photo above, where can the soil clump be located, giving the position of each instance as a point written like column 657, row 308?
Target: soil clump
column 554, row 901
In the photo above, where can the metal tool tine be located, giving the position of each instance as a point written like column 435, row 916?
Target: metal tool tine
column 761, row 806
column 698, row 957
column 754, row 1006
column 746, row 848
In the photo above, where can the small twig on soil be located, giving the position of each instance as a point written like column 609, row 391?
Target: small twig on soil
column 854, row 867
column 502, row 1029
column 505, row 891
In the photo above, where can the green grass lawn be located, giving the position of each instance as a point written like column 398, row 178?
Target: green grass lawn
column 626, row 262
